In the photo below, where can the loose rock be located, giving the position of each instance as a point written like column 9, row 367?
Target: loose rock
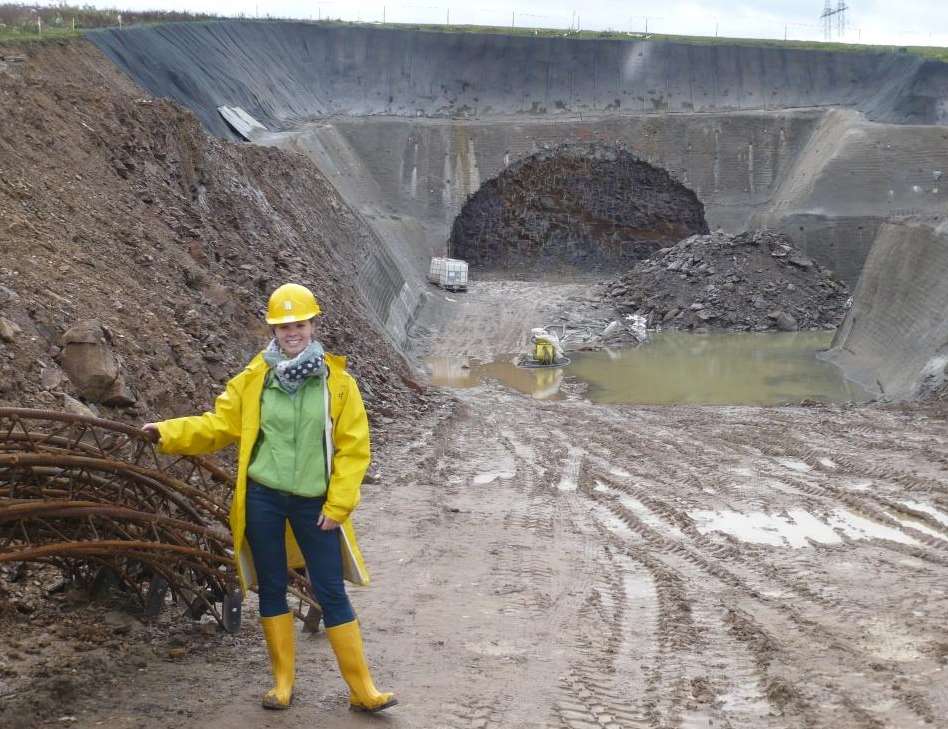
column 746, row 282
column 90, row 364
column 8, row 330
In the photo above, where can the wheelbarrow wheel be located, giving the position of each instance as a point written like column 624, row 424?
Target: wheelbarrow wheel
column 231, row 611
column 155, row 596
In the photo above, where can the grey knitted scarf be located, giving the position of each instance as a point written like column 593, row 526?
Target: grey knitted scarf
column 292, row 372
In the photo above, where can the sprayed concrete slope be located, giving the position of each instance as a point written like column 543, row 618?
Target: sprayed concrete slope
column 284, row 72
column 423, row 118
column 747, row 168
column 823, row 146
column 895, row 339
column 419, row 120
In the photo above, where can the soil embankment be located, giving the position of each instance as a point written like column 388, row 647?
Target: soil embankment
column 120, row 208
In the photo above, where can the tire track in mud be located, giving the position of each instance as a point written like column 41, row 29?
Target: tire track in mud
column 591, row 619
column 699, row 676
column 653, row 622
column 676, row 690
column 516, row 578
column 775, row 691
column 678, row 694
column 658, row 623
column 535, row 593
column 638, row 501
column 683, row 623
column 829, row 464
column 697, row 665
column 604, row 677
column 612, row 642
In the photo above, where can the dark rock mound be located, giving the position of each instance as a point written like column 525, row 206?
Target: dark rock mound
column 753, row 281
column 586, row 207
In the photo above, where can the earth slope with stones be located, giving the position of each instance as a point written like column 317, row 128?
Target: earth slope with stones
column 137, row 252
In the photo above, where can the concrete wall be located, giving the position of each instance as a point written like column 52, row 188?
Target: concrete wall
column 391, row 278
column 850, row 177
column 826, row 178
column 425, row 170
column 894, row 340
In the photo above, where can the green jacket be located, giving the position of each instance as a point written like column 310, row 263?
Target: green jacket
column 290, row 453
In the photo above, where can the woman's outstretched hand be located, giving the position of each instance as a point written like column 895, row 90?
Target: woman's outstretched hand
column 151, row 432
column 326, row 524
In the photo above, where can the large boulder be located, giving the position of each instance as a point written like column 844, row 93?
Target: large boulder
column 92, row 367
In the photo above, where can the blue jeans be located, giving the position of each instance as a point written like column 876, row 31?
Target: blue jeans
column 267, row 513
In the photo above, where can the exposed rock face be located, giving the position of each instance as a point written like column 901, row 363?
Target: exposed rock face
column 749, row 282
column 88, row 360
column 585, row 207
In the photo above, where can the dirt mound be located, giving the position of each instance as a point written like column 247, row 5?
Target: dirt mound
column 120, row 210
column 748, row 282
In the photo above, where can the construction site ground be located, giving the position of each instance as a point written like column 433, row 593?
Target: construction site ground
column 535, row 563
column 550, row 564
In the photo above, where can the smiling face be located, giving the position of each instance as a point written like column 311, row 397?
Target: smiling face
column 293, row 338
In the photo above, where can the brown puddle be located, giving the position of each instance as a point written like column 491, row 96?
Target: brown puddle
column 677, row 368
column 542, row 383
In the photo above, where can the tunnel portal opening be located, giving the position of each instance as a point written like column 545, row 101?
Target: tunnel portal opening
column 588, row 208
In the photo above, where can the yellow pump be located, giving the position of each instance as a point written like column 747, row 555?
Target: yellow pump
column 544, row 352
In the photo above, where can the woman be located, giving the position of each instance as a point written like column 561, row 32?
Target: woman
column 303, row 449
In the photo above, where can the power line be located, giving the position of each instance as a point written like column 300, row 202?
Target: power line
column 830, row 14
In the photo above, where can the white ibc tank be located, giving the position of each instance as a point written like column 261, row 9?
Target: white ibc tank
column 448, row 273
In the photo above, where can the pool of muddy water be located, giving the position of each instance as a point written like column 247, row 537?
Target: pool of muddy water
column 677, row 368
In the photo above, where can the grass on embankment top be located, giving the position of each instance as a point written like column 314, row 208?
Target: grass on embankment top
column 53, row 34
column 18, row 21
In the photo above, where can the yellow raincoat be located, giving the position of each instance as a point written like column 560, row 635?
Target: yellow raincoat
column 236, row 418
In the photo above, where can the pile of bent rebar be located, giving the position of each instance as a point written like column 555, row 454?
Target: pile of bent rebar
column 93, row 497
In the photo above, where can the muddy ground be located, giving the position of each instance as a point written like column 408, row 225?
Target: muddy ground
column 551, row 564
column 536, row 564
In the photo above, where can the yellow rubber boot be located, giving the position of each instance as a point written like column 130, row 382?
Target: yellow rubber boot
column 346, row 641
column 280, row 634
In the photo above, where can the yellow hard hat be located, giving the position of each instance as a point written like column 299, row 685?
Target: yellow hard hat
column 291, row 302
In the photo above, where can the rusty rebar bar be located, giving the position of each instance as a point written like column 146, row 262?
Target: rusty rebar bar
column 83, row 492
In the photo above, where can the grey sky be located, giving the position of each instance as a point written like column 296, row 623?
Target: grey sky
column 906, row 22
